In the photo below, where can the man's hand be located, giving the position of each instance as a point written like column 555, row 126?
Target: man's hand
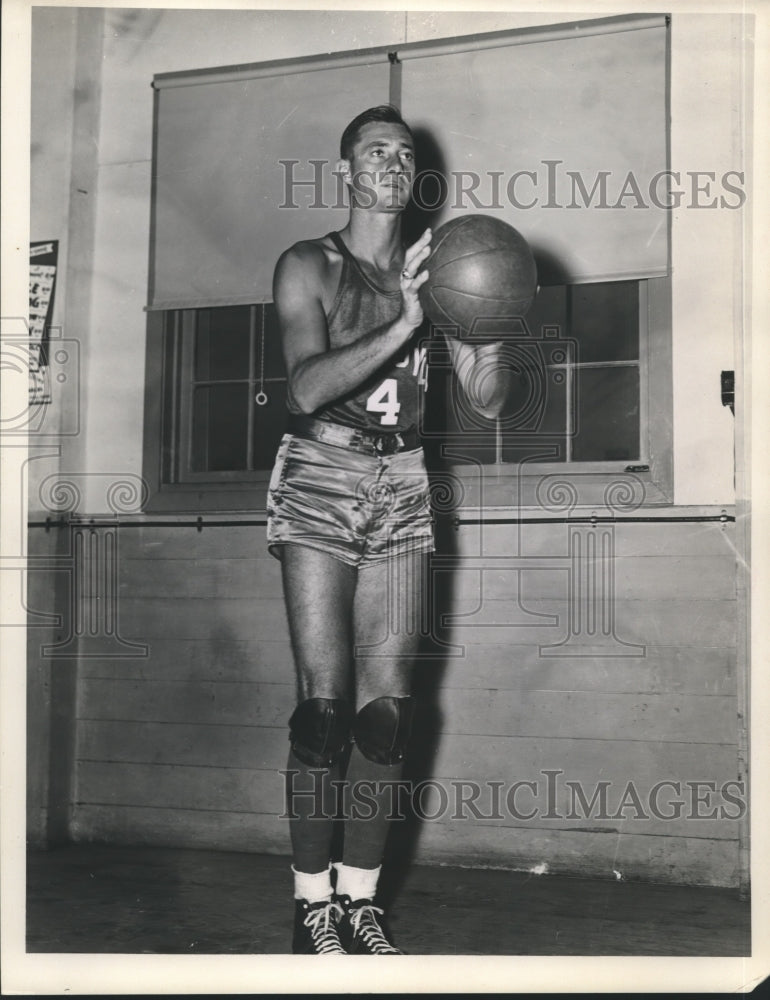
column 411, row 281
column 485, row 373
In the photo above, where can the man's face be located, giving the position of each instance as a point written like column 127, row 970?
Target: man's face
column 381, row 169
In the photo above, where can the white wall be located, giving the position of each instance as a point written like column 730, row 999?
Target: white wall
column 51, row 151
column 706, row 135
column 705, row 92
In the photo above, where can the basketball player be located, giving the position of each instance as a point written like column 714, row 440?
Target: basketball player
column 349, row 517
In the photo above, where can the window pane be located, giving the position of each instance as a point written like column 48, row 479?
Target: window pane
column 470, row 437
column 274, row 367
column 548, row 312
column 608, row 415
column 269, row 425
column 536, row 427
column 605, row 321
column 222, row 344
column 219, row 428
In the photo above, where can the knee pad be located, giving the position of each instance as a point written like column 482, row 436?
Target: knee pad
column 382, row 728
column 319, row 729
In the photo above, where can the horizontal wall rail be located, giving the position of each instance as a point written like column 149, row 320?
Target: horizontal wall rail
column 594, row 519
column 200, row 523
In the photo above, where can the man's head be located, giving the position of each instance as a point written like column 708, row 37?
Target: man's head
column 377, row 159
column 385, row 113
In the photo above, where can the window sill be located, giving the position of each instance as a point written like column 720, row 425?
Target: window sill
column 557, row 491
column 200, row 498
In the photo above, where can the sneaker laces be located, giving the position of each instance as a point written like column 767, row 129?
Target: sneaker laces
column 364, row 922
column 322, row 923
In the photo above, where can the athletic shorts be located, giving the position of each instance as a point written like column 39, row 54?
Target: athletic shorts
column 359, row 508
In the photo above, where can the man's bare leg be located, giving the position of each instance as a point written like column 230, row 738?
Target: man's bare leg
column 318, row 590
column 386, row 618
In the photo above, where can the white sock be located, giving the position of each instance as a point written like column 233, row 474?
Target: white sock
column 315, row 887
column 358, row 883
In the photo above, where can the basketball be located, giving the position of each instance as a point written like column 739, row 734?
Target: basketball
column 480, row 268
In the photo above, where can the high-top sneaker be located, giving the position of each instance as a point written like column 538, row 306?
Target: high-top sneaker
column 315, row 928
column 361, row 931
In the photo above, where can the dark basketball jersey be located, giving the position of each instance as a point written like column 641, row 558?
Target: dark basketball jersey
column 390, row 400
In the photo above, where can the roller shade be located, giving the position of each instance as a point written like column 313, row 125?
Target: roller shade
column 221, row 215
column 564, row 128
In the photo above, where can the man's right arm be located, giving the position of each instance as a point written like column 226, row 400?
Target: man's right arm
column 318, row 375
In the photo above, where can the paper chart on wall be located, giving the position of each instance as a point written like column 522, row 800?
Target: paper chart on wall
column 42, row 280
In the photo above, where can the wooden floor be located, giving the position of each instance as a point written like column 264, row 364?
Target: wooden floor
column 105, row 899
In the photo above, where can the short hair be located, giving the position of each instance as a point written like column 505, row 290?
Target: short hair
column 382, row 113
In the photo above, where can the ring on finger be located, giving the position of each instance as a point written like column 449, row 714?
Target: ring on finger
column 406, row 274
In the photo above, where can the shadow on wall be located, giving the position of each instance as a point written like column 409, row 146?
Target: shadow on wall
column 431, row 165
column 435, row 647
column 430, row 198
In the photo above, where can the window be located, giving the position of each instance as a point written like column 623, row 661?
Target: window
column 579, row 389
column 218, row 398
column 232, row 403
column 593, row 402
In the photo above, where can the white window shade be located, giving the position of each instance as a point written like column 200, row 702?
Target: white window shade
column 220, row 205
column 584, row 101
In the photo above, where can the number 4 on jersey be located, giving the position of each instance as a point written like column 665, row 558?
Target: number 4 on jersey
column 384, row 400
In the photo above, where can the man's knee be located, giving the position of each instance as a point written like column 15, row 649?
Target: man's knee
column 319, row 729
column 382, row 728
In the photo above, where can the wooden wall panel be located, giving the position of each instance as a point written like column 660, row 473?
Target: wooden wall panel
column 636, row 578
column 233, row 617
column 199, row 578
column 643, row 539
column 482, row 757
column 151, row 760
column 600, row 855
column 684, row 669
column 51, row 686
column 573, row 714
column 208, row 789
column 218, row 830
column 179, row 743
column 206, row 703
column 185, row 745
column 230, row 542
column 695, row 861
column 587, row 715
column 212, row 658
column 660, row 623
